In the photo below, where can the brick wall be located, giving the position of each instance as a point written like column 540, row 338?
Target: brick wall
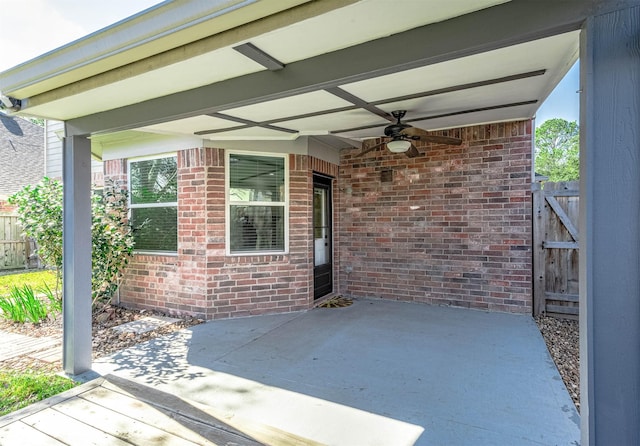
column 201, row 279
column 451, row 227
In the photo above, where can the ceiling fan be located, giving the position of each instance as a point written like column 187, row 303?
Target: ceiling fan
column 402, row 136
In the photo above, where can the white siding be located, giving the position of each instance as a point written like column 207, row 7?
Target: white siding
column 53, row 149
column 54, row 131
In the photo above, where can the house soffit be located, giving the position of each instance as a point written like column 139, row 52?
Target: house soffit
column 419, row 64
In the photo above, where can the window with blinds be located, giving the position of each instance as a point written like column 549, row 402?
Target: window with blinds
column 256, row 203
column 153, row 203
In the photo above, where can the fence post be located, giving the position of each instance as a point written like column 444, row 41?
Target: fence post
column 13, row 252
column 27, row 253
column 538, row 249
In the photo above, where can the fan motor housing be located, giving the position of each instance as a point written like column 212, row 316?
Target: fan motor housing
column 395, row 129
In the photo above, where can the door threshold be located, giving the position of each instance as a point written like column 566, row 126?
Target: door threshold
column 320, row 300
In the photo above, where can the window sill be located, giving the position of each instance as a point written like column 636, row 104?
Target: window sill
column 257, row 254
column 258, row 259
column 156, row 253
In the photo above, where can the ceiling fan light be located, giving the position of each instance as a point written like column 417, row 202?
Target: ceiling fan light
column 398, row 145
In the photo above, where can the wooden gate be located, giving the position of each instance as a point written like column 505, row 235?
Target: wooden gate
column 14, row 248
column 555, row 255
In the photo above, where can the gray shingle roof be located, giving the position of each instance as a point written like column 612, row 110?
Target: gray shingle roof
column 21, row 154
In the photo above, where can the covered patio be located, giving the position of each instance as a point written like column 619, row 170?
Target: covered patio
column 374, row 373
column 303, row 80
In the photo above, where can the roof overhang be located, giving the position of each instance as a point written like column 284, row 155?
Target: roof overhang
column 278, row 70
column 154, row 31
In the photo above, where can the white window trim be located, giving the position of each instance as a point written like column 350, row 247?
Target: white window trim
column 229, row 203
column 149, row 205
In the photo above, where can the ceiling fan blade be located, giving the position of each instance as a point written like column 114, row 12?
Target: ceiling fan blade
column 412, row 152
column 441, row 139
column 370, row 149
column 424, row 135
column 414, row 131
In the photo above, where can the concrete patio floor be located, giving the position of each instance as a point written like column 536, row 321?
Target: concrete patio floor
column 374, row 373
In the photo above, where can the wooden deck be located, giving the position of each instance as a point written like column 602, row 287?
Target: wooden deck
column 47, row 349
column 115, row 411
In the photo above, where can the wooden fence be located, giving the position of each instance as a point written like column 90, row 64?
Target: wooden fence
column 555, row 254
column 15, row 250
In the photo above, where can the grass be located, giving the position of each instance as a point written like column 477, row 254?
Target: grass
column 20, row 389
column 34, row 279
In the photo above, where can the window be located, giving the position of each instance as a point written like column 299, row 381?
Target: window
column 256, row 203
column 153, row 201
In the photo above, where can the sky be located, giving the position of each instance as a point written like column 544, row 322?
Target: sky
column 31, row 28
column 564, row 100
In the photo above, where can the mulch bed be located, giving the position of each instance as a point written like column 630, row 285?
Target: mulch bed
column 563, row 341
column 105, row 340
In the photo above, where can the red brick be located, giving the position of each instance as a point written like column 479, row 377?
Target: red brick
column 465, row 243
column 201, row 279
column 464, row 198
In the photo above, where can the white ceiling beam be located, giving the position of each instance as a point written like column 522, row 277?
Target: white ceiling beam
column 504, row 25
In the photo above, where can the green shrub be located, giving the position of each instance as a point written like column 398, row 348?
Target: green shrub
column 39, row 210
column 40, row 215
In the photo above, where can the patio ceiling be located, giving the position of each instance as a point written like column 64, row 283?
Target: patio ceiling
column 334, row 69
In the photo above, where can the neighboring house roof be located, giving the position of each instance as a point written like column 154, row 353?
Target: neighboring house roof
column 21, row 154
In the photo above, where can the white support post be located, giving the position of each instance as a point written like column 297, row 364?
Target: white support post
column 610, row 228
column 76, row 285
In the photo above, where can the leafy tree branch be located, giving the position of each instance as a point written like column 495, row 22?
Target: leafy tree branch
column 558, row 150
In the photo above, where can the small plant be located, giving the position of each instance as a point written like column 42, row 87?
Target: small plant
column 23, row 304
column 54, row 299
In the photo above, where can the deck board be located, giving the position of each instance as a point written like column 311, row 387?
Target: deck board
column 209, row 415
column 14, row 345
column 113, row 411
column 186, row 428
column 20, row 433
column 127, row 428
column 71, row 431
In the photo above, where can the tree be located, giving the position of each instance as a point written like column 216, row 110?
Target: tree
column 37, row 121
column 40, row 214
column 558, row 150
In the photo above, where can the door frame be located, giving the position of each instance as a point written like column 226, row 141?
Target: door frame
column 324, row 182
